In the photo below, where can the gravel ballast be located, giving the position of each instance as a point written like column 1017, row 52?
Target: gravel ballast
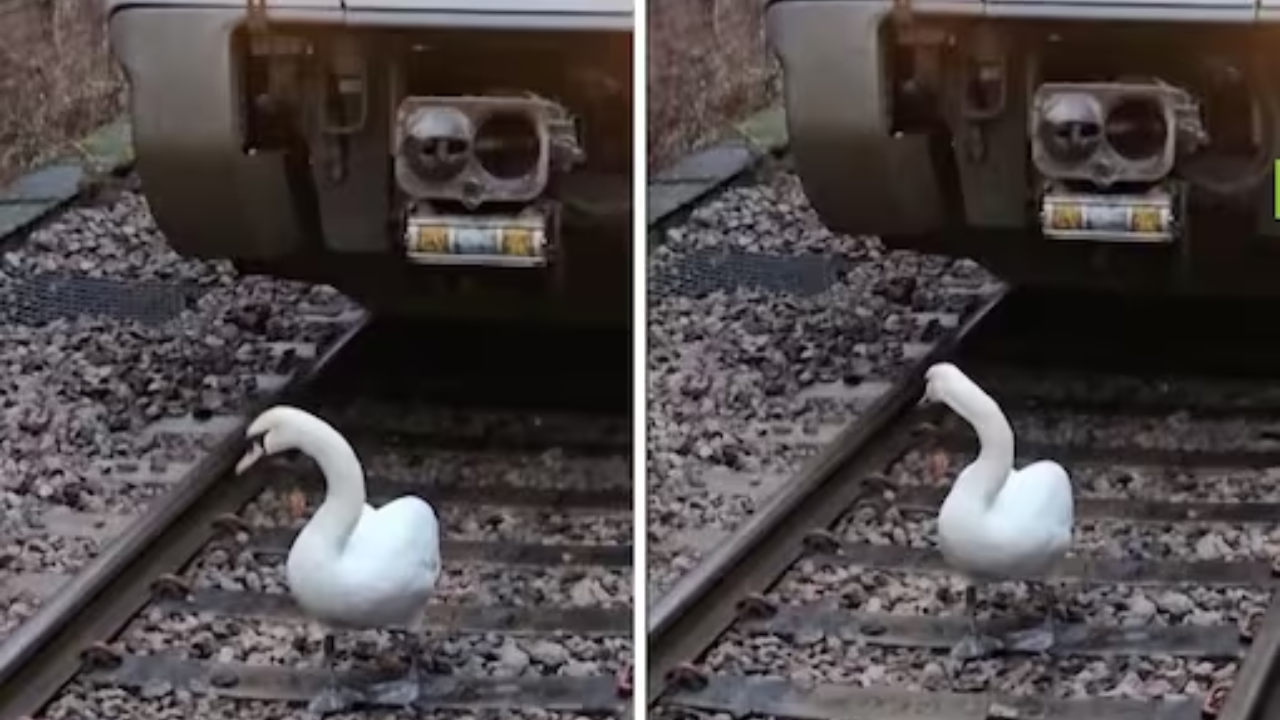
column 746, row 383
column 79, row 390
column 111, row 378
column 1114, row 481
column 743, row 383
column 814, row 657
column 296, row 642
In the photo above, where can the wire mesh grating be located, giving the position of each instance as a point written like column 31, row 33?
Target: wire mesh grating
column 45, row 298
column 702, row 272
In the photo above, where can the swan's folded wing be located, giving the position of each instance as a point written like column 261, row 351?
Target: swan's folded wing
column 1041, row 494
column 403, row 533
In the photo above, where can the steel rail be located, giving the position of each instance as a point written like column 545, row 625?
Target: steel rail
column 43, row 654
column 1256, row 688
column 691, row 617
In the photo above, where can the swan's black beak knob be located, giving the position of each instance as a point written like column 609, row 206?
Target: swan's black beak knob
column 257, row 449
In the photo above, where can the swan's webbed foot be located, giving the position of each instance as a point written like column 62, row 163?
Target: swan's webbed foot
column 333, row 699
column 975, row 647
column 1043, row 638
column 1035, row 640
column 405, row 691
column 399, row 693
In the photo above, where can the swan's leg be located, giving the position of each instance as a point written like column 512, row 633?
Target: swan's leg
column 405, row 691
column 334, row 698
column 1041, row 639
column 974, row 645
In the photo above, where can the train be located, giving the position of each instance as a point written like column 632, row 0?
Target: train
column 461, row 159
column 1111, row 146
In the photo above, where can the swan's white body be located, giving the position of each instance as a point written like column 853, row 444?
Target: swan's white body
column 1023, row 533
column 998, row 522
column 382, row 576
column 352, row 565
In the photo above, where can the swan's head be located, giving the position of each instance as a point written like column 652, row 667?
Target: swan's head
column 281, row 429
column 940, row 382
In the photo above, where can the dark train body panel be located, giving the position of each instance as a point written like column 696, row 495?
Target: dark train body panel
column 1125, row 145
column 425, row 156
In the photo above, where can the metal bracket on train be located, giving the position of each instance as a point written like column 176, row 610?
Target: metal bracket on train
column 928, row 38
column 902, row 14
column 256, row 16
column 346, row 100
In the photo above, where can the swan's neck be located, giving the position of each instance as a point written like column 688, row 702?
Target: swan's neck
column 984, row 478
column 344, row 497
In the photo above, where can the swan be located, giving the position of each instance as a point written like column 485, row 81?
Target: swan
column 998, row 522
column 352, row 566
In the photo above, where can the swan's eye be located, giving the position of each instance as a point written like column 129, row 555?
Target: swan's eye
column 259, row 441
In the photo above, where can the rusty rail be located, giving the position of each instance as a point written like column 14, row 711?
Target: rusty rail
column 727, row 592
column 688, row 620
column 44, row 653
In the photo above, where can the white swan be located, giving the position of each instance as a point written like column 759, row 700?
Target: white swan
column 352, row 566
column 997, row 522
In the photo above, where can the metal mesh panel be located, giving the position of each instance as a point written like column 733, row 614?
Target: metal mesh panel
column 702, row 272
column 45, row 298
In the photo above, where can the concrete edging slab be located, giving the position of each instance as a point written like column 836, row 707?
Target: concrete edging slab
column 695, row 175
column 41, row 192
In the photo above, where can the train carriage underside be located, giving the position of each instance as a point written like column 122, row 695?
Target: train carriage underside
column 428, row 157
column 1118, row 145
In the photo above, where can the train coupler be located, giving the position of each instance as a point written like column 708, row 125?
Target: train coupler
column 522, row 240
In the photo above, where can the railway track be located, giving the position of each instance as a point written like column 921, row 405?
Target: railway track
column 528, row 466
column 832, row 602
